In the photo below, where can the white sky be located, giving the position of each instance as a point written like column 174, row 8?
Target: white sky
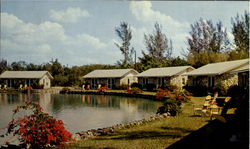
column 83, row 32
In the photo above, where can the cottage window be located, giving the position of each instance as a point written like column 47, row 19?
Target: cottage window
column 161, row 81
column 145, row 81
column 109, row 83
column 92, row 83
column 244, row 80
column 194, row 81
column 210, row 81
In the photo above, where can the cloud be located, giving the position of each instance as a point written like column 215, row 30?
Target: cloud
column 38, row 43
column 71, row 15
column 93, row 41
column 147, row 16
column 143, row 11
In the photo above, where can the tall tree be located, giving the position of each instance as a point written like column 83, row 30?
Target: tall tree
column 158, row 45
column 207, row 43
column 240, row 31
column 3, row 66
column 125, row 34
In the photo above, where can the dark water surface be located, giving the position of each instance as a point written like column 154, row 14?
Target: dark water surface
column 81, row 112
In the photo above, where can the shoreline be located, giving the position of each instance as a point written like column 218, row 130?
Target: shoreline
column 104, row 131
column 113, row 93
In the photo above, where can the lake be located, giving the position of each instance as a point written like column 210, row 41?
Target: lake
column 81, row 112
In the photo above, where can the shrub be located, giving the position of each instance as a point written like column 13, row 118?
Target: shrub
column 169, row 87
column 102, row 89
column 160, row 94
column 182, row 96
column 36, row 85
column 171, row 106
column 150, row 87
column 27, row 88
column 39, row 130
column 121, row 87
column 136, row 85
column 134, row 90
column 65, row 90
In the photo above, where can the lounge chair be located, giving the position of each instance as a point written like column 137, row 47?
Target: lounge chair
column 209, row 108
column 202, row 110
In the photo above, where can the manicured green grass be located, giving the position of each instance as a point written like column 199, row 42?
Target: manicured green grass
column 156, row 134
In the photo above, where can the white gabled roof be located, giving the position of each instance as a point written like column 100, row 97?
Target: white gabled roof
column 244, row 68
column 218, row 68
column 109, row 73
column 164, row 71
column 24, row 74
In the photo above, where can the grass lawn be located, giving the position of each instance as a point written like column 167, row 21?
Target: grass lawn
column 156, row 134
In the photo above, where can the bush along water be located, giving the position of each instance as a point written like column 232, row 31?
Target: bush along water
column 38, row 130
column 102, row 89
column 134, row 91
column 172, row 103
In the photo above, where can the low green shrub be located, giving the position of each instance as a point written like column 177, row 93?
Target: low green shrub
column 171, row 106
column 134, row 90
column 65, row 90
column 121, row 87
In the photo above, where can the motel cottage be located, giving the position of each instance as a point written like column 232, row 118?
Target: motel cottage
column 112, row 77
column 223, row 73
column 13, row 78
column 165, row 75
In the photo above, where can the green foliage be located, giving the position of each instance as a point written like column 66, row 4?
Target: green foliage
column 125, row 34
column 121, row 87
column 157, row 44
column 208, row 43
column 240, row 31
column 65, row 90
column 169, row 87
column 200, row 59
column 134, row 90
column 147, row 62
column 171, row 106
column 3, row 66
column 220, row 88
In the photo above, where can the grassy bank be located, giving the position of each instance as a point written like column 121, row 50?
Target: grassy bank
column 156, row 134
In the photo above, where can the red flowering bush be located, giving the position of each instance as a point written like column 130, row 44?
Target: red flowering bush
column 103, row 89
column 182, row 96
column 160, row 94
column 134, row 90
column 38, row 130
column 172, row 104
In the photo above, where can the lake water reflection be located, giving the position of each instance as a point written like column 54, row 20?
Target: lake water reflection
column 82, row 112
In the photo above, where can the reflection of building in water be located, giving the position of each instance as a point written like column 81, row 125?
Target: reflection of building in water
column 100, row 101
column 83, row 98
column 128, row 106
column 3, row 98
column 6, row 98
column 45, row 101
